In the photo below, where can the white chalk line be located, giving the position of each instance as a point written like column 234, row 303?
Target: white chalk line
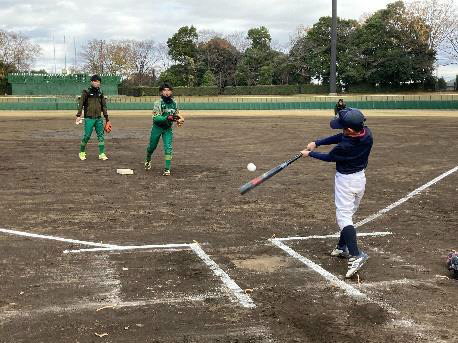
column 9, row 314
column 54, row 238
column 242, row 297
column 350, row 290
column 407, row 197
column 132, row 247
column 336, row 235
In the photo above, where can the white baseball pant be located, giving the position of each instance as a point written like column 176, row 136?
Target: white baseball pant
column 349, row 190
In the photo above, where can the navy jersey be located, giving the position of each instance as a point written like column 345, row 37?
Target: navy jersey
column 351, row 154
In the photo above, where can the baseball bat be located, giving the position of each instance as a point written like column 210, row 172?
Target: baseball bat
column 267, row 175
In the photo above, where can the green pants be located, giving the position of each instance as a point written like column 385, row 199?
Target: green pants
column 89, row 125
column 167, row 139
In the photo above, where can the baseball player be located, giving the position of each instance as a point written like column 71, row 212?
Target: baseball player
column 94, row 104
column 165, row 113
column 350, row 154
column 340, row 105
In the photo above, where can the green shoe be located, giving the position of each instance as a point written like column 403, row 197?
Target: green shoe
column 103, row 157
column 82, row 155
column 166, row 172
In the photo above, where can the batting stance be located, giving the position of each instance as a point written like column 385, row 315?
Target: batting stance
column 94, row 104
column 165, row 113
column 351, row 156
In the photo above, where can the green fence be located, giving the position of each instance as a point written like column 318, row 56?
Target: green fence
column 58, row 84
column 449, row 102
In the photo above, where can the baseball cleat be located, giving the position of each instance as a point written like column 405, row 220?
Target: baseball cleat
column 147, row 165
column 166, row 172
column 103, row 157
column 355, row 263
column 340, row 252
column 82, row 156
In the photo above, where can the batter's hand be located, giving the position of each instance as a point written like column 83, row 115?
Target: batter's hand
column 78, row 120
column 311, row 146
column 305, row 152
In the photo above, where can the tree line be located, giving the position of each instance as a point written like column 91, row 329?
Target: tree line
column 395, row 46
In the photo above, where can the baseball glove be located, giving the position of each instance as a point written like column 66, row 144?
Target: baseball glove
column 108, row 127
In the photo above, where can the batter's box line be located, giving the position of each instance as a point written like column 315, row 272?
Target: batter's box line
column 234, row 289
column 334, row 280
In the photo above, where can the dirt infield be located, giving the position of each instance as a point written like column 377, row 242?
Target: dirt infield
column 173, row 294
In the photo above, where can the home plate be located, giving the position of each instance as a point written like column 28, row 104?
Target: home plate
column 124, row 171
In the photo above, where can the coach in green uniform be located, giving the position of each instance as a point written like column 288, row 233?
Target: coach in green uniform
column 94, row 104
column 165, row 113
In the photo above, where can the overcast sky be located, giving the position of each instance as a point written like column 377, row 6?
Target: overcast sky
column 79, row 21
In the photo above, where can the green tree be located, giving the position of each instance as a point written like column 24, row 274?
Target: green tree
column 441, row 84
column 208, row 79
column 311, row 53
column 220, row 57
column 392, row 50
column 260, row 38
column 183, row 44
column 183, row 50
column 256, row 63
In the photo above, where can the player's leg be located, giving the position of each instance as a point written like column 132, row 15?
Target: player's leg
column 344, row 211
column 153, row 141
column 87, row 132
column 101, row 139
column 359, row 188
column 167, row 138
column 349, row 191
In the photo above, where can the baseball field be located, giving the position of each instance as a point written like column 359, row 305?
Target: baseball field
column 88, row 255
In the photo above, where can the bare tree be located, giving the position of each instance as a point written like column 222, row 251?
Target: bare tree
column 164, row 61
column 94, row 54
column 441, row 18
column 452, row 47
column 239, row 40
column 204, row 36
column 17, row 53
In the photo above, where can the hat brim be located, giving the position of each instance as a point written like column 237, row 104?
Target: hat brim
column 335, row 124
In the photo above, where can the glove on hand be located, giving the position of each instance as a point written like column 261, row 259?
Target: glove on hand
column 108, row 127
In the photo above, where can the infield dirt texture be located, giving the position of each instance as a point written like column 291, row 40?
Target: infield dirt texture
column 172, row 295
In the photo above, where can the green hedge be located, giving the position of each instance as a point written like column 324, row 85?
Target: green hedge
column 232, row 90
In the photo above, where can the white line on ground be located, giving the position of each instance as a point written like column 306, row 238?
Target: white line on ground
column 350, row 290
column 132, row 247
column 336, row 235
column 242, row 297
column 54, row 238
column 407, row 197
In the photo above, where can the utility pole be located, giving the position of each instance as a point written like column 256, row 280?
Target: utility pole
column 332, row 77
column 65, row 54
column 54, row 48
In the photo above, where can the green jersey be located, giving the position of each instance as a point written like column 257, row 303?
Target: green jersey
column 161, row 110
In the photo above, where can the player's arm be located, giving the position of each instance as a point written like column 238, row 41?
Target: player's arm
column 79, row 120
column 337, row 154
column 158, row 116
column 104, row 108
column 336, row 139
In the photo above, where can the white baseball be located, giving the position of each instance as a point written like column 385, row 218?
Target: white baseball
column 251, row 167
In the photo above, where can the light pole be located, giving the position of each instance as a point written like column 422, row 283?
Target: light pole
column 332, row 77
